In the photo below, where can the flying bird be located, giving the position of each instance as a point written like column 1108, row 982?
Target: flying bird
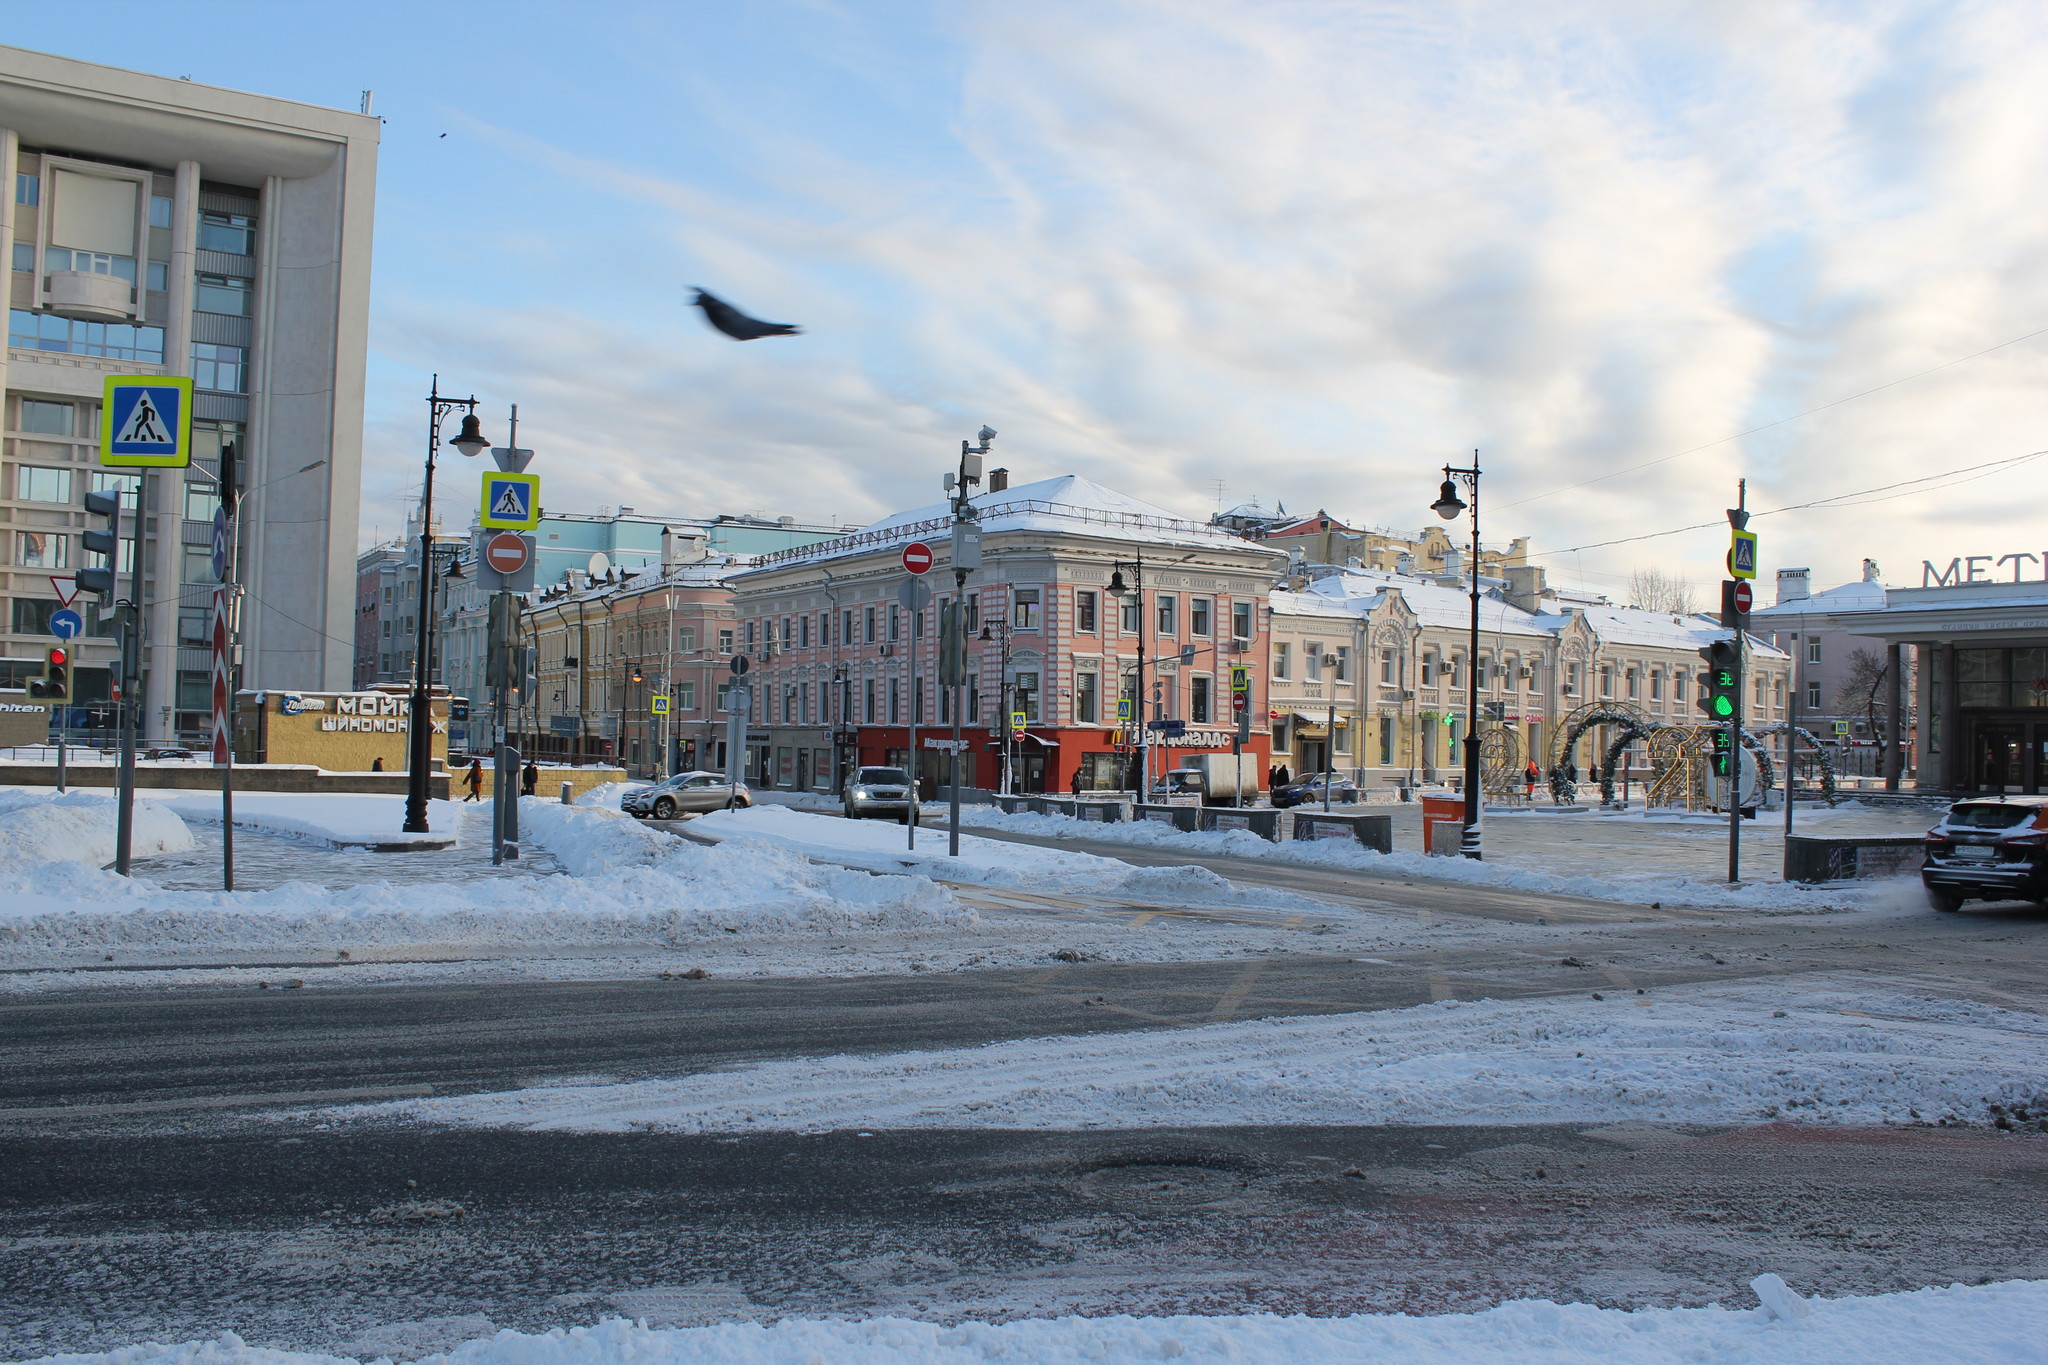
column 738, row 325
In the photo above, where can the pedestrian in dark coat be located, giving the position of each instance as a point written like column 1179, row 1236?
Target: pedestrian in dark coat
column 529, row 778
column 474, row 780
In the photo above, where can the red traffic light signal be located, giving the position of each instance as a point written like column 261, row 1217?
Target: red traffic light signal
column 56, row 657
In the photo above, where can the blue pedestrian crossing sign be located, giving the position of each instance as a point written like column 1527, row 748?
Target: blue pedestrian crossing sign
column 1742, row 555
column 511, row 502
column 146, row 422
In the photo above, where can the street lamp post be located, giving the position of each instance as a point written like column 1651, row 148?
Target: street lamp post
column 1447, row 506
column 1136, row 587
column 966, row 558
column 419, row 718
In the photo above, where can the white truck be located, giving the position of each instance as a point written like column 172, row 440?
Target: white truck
column 1219, row 779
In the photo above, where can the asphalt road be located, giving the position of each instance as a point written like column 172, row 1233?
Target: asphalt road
column 139, row 1203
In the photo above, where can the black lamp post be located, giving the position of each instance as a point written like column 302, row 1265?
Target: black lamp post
column 1447, row 505
column 1117, row 589
column 420, row 715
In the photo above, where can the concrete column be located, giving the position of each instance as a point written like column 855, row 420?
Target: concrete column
column 10, row 155
column 166, row 487
column 1955, row 764
column 256, row 464
column 1894, row 700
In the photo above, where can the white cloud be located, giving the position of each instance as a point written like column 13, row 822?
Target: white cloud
column 1316, row 250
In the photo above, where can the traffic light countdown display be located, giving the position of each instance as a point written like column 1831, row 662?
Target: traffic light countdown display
column 1720, row 698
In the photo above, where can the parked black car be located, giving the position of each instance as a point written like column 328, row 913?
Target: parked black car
column 1994, row 849
column 1309, row 791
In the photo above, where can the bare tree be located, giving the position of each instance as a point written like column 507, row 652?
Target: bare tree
column 1656, row 590
column 1865, row 690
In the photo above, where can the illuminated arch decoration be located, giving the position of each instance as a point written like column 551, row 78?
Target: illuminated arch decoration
column 1634, row 724
column 1501, row 771
column 1828, row 788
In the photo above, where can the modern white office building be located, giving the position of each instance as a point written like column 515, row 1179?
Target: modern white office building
column 157, row 226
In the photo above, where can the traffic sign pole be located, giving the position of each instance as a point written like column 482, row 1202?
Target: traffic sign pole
column 1738, row 518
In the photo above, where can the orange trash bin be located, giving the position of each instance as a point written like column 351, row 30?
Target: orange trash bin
column 1439, row 810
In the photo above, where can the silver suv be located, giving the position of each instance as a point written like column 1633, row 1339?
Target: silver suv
column 877, row 791
column 686, row 794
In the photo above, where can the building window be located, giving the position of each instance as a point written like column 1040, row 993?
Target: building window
column 686, row 696
column 725, row 641
column 722, row 698
column 1656, row 687
column 917, row 625
column 1312, row 661
column 1632, row 683
column 41, row 550
column 195, row 625
column 28, row 189
column 24, row 255
column 89, row 262
column 869, row 710
column 222, row 294
column 45, row 419
column 1024, row 609
column 848, row 635
column 895, row 633
column 1571, row 680
column 1678, row 687
column 1025, row 696
column 159, row 211
column 202, row 500
column 973, row 612
column 229, row 232
column 686, row 639
column 1813, row 651
column 1280, row 660
column 107, row 340
column 917, row 701
column 1387, row 667
column 1813, row 696
column 1087, row 705
column 1200, row 609
column 217, row 367
column 1198, row 698
column 1241, row 620
column 1386, row 741
column 1343, row 663
column 1169, row 613
column 1084, row 611
column 803, row 630
column 1778, row 693
column 32, row 615
column 1530, row 670
column 870, row 627
column 1128, row 611
column 32, row 484
column 1606, row 680
column 197, row 564
column 895, row 703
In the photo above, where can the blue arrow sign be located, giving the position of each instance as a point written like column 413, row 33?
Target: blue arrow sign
column 66, row 624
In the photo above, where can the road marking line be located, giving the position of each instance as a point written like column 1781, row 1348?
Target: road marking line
column 1227, row 1003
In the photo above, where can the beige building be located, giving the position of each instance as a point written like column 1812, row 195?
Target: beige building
column 160, row 226
column 1384, row 655
column 348, row 732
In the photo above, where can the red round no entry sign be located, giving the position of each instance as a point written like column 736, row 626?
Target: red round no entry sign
column 917, row 557
column 1743, row 596
column 506, row 552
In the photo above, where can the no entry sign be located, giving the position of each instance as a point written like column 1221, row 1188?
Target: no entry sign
column 1743, row 596
column 917, row 557
column 506, row 552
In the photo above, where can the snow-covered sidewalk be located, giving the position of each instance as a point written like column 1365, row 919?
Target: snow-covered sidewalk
column 1993, row 1324
column 339, row 818
column 883, row 846
column 1611, row 883
column 1743, row 1054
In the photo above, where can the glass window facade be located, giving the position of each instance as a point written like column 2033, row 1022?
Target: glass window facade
column 108, row 340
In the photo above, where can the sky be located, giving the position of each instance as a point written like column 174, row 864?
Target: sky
column 1208, row 252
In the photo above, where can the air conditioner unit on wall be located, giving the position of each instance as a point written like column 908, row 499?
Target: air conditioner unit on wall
column 884, row 651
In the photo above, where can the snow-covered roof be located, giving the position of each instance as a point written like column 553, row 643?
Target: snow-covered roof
column 1860, row 595
column 1359, row 590
column 1653, row 629
column 1070, row 503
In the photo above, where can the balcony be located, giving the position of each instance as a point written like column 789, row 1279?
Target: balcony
column 94, row 298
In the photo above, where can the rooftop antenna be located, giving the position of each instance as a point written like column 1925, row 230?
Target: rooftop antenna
column 366, row 100
column 1220, row 486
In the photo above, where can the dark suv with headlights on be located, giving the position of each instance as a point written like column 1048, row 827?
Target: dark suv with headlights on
column 1990, row 850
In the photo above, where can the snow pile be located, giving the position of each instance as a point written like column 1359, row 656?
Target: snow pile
column 1348, row 853
column 332, row 817
column 42, row 826
column 630, row 885
column 883, row 846
column 1962, row 1324
column 606, row 794
column 1697, row 1055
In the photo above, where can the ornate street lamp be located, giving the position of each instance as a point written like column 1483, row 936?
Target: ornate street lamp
column 1448, row 505
column 420, row 714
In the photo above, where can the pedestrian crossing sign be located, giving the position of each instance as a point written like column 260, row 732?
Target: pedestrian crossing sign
column 1123, row 708
column 1742, row 555
column 659, row 705
column 511, row 502
column 146, row 422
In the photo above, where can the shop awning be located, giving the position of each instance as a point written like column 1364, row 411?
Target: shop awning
column 1040, row 741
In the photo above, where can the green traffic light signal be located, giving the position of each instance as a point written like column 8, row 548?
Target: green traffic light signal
column 1723, row 706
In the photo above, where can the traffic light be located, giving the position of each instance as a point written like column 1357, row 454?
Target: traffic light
column 1717, row 694
column 55, row 684
column 103, row 542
